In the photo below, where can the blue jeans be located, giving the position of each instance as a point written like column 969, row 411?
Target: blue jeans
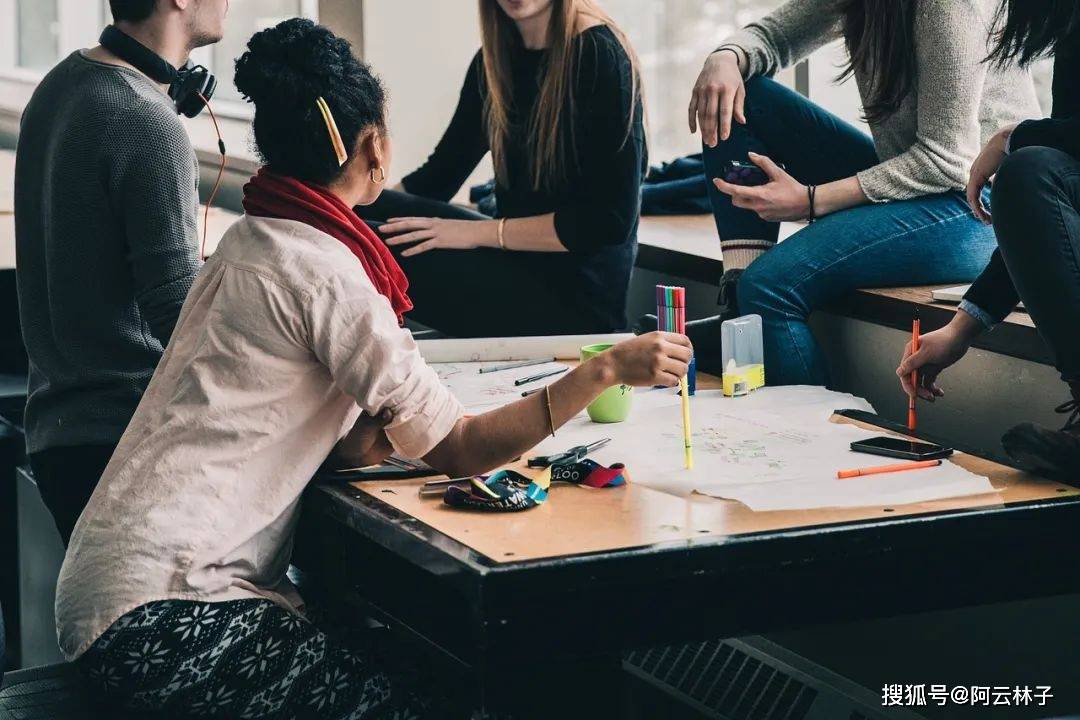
column 929, row 240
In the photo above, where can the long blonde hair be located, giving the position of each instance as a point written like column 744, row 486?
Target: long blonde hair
column 550, row 128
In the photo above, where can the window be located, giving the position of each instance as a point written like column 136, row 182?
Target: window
column 247, row 17
column 44, row 31
column 38, row 30
column 672, row 39
column 35, row 34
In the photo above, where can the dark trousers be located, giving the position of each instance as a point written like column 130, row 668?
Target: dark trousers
column 482, row 292
column 1036, row 197
column 66, row 477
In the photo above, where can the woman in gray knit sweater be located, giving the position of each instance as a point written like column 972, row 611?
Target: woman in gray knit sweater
column 887, row 210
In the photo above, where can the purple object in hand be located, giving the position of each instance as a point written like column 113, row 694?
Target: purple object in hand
column 745, row 174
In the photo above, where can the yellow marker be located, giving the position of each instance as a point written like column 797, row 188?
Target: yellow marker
column 688, row 446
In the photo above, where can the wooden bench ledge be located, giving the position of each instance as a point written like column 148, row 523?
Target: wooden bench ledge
column 685, row 246
column 895, row 308
column 681, row 245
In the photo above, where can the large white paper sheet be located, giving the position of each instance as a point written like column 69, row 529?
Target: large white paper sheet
column 564, row 347
column 772, row 450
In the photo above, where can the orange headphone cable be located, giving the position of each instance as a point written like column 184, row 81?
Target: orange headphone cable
column 220, row 176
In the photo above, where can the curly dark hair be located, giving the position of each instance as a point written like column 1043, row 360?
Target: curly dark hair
column 285, row 69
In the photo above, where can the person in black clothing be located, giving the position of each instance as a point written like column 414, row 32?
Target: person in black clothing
column 554, row 96
column 1035, row 211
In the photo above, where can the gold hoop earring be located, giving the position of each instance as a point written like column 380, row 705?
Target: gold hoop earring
column 382, row 176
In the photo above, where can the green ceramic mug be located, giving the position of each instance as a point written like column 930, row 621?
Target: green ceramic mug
column 612, row 405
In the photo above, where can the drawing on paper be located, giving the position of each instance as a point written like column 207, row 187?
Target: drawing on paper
column 447, row 371
column 490, row 390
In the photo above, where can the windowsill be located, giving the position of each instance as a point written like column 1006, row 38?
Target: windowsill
column 686, row 247
column 234, row 117
column 235, row 132
column 22, row 75
column 233, row 110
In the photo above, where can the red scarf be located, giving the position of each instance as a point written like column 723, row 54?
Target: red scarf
column 277, row 196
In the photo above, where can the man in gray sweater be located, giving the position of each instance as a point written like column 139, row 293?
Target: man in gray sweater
column 106, row 205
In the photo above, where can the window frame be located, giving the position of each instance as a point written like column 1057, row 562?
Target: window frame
column 9, row 41
column 238, row 109
column 72, row 14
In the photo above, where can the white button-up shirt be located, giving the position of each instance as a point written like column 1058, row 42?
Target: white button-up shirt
column 281, row 343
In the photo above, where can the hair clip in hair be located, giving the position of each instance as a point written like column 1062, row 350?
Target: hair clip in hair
column 332, row 128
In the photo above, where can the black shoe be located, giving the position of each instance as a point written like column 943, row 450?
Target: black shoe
column 728, row 300
column 1054, row 454
column 705, row 335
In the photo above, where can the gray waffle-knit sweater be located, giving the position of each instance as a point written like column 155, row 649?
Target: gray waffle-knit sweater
column 106, row 211
column 926, row 146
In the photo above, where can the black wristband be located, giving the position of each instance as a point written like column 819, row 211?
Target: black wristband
column 811, row 191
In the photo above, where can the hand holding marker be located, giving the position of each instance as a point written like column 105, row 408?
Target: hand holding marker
column 671, row 314
column 916, row 332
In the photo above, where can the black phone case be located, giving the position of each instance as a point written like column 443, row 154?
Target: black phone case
column 857, row 446
column 744, row 174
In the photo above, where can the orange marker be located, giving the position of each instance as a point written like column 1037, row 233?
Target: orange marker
column 915, row 331
column 899, row 467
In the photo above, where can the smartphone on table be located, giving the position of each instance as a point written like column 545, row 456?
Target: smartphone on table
column 896, row 447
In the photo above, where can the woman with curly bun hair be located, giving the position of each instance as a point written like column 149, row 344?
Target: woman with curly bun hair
column 288, row 354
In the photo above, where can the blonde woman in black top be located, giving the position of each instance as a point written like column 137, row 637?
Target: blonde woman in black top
column 554, row 96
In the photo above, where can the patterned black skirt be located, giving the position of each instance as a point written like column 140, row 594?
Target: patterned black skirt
column 250, row 659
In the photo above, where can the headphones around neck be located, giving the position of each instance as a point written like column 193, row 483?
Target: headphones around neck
column 190, row 87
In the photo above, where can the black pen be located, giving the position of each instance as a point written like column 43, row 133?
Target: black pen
column 515, row 365
column 438, row 487
column 574, row 454
column 534, row 378
column 404, row 464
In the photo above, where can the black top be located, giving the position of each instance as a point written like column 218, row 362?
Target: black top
column 596, row 213
column 994, row 291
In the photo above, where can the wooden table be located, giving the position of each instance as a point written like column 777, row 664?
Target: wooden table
column 598, row 572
